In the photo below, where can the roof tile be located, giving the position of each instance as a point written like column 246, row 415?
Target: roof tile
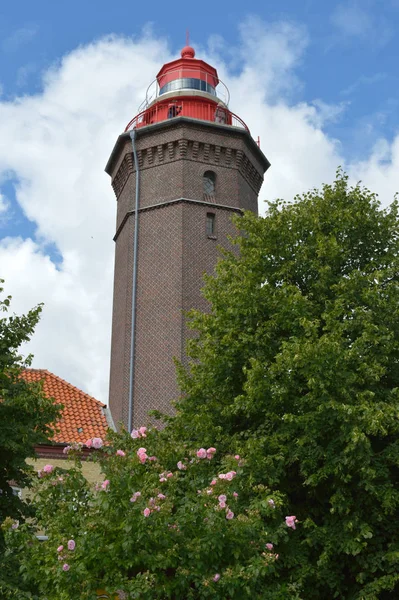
column 80, row 411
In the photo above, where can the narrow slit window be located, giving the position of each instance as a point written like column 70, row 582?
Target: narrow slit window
column 209, row 182
column 210, row 224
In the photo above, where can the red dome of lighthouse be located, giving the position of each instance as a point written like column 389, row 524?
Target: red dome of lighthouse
column 187, row 52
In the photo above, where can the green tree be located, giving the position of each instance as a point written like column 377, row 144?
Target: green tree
column 297, row 368
column 26, row 416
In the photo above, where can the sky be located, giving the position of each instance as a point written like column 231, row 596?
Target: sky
column 316, row 81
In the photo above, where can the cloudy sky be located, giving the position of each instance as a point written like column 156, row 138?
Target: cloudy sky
column 317, row 81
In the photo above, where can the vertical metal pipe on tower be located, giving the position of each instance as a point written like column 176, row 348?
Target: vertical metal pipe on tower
column 134, row 284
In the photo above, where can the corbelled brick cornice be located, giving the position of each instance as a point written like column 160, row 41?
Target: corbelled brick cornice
column 209, row 154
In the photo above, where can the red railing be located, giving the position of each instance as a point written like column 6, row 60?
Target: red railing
column 193, row 109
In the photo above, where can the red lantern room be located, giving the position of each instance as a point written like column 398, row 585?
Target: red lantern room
column 186, row 87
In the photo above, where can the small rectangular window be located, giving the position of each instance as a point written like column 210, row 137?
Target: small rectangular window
column 210, row 224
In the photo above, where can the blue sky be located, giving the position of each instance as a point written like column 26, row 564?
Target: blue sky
column 317, row 81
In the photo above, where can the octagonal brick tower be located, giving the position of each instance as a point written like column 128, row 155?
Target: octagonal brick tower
column 183, row 167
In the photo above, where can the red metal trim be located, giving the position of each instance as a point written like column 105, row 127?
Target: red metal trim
column 186, row 106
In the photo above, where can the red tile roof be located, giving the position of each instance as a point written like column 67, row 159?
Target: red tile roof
column 80, row 412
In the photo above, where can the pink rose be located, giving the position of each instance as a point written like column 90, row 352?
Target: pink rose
column 229, row 515
column 71, row 545
column 60, row 548
column 142, row 431
column 120, row 453
column 229, row 476
column 169, row 475
column 222, row 504
column 162, row 479
column 214, row 481
column 146, row 512
column 235, row 494
column 216, row 577
column 66, row 449
column 222, row 498
column 97, row 443
column 47, row 468
column 65, row 567
column 135, row 434
column 271, row 503
column 201, row 453
column 210, row 452
column 222, row 476
column 269, row 546
column 237, row 457
column 105, row 484
column 153, row 458
column 290, row 521
column 135, row 496
column 89, row 443
column 181, row 466
column 161, row 496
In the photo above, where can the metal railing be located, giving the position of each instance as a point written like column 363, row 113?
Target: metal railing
column 183, row 74
column 204, row 111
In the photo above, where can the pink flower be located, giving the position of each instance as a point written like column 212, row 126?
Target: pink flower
column 71, row 545
column 47, row 468
column 235, row 494
column 120, row 453
column 229, row 476
column 15, row 525
column 214, row 481
column 135, row 434
column 169, row 475
column 181, row 466
column 290, row 521
column 153, row 458
column 222, row 498
column 162, row 479
column 65, row 567
column 210, row 452
column 216, row 577
column 141, row 453
column 135, row 496
column 209, row 492
column 97, row 443
column 89, row 443
column 222, row 476
column 229, row 515
column 66, row 449
column 105, row 484
column 161, row 496
column 201, row 453
column 237, row 457
column 269, row 546
column 142, row 431
column 146, row 512
column 222, row 504
column 271, row 503
column 60, row 548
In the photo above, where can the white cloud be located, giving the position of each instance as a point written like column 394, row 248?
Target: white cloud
column 362, row 20
column 56, row 143
column 18, row 38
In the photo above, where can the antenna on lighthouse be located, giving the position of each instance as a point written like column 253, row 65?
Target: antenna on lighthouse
column 187, row 37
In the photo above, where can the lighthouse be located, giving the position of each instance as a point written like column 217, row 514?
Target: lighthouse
column 183, row 167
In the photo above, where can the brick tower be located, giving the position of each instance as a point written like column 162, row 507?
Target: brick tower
column 183, row 167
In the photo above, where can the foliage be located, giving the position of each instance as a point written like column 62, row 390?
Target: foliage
column 297, row 367
column 158, row 527
column 25, row 417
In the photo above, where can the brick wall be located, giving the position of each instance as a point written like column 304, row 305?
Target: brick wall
column 174, row 248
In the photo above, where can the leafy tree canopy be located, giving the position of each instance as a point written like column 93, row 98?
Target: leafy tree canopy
column 297, row 368
column 295, row 372
column 25, row 413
